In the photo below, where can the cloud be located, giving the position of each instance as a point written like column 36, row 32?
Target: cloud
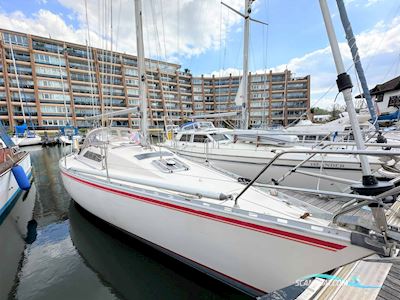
column 379, row 51
column 380, row 57
column 372, row 2
column 170, row 31
column 44, row 23
column 171, row 28
column 358, row 3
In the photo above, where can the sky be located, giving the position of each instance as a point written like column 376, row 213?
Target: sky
column 207, row 38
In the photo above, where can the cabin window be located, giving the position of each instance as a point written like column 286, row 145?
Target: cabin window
column 185, row 138
column 219, row 137
column 199, row 138
column 93, row 156
column 310, row 137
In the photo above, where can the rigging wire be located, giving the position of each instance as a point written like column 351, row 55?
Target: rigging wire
column 89, row 56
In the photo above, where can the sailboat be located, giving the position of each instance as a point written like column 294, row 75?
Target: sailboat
column 23, row 136
column 257, row 241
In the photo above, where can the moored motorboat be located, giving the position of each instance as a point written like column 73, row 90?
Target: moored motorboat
column 247, row 159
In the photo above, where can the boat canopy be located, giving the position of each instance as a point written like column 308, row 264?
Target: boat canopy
column 20, row 129
column 101, row 136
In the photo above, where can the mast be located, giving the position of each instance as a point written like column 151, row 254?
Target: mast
column 351, row 40
column 244, row 124
column 17, row 79
column 62, row 84
column 141, row 71
column 89, row 57
column 344, row 84
column 246, row 32
column 370, row 185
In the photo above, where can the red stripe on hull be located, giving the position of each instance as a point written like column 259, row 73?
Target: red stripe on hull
column 251, row 226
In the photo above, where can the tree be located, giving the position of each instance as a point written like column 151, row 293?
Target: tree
column 319, row 111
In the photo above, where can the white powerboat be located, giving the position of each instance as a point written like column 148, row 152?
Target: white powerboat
column 246, row 159
column 276, row 137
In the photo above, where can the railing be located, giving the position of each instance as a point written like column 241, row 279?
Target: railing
column 313, row 152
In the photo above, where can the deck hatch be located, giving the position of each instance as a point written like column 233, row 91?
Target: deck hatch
column 153, row 154
column 170, row 165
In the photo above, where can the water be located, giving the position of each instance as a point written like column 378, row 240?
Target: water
column 70, row 254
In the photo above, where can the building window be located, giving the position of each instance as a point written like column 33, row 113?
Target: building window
column 49, row 60
column 379, row 98
column 53, row 97
column 394, row 101
column 294, row 95
column 52, row 122
column 15, row 39
column 50, row 72
column 131, row 72
column 51, row 84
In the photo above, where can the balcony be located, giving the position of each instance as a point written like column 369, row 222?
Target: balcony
column 47, row 47
column 77, row 52
column 114, row 102
column 78, row 66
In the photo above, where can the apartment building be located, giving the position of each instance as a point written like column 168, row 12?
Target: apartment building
column 64, row 83
column 273, row 98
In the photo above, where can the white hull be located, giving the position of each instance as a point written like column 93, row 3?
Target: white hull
column 27, row 141
column 249, row 163
column 13, row 230
column 250, row 253
column 9, row 190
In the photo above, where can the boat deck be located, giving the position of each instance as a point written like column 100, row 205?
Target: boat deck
column 370, row 272
column 6, row 162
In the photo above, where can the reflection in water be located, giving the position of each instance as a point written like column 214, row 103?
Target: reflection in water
column 134, row 270
column 16, row 229
column 53, row 201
